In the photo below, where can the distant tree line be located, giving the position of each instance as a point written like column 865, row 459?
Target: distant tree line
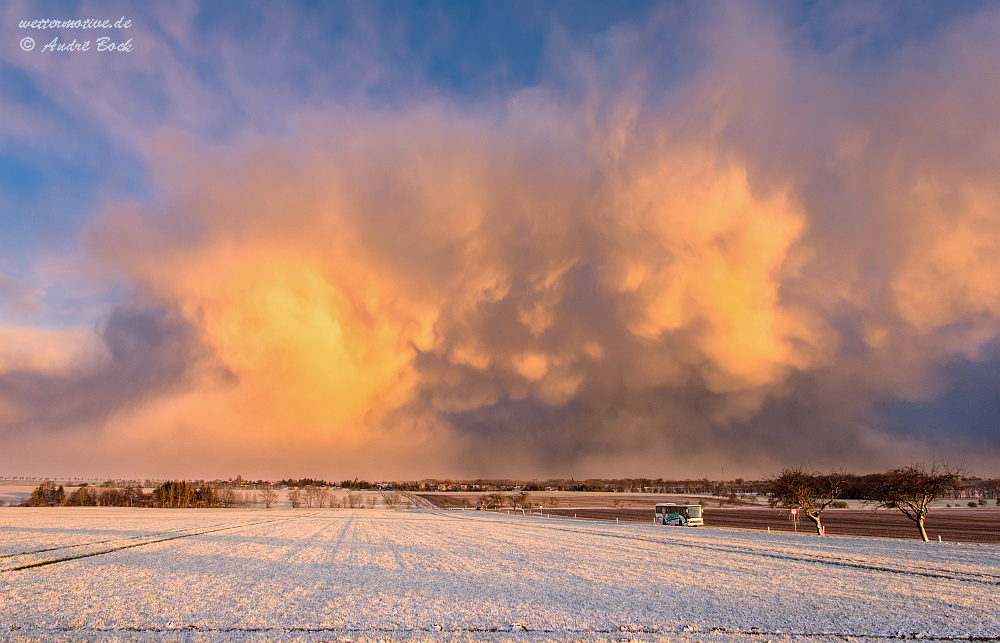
column 617, row 485
column 182, row 494
column 169, row 494
column 306, row 482
column 854, row 486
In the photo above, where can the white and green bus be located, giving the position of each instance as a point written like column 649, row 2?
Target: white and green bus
column 682, row 515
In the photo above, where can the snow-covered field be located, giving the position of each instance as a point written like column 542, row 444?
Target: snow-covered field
column 88, row 574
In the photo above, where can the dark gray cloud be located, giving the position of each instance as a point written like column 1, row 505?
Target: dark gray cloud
column 145, row 352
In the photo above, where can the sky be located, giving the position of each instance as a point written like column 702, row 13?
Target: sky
column 403, row 240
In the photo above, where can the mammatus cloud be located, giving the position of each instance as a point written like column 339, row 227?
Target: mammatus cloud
column 735, row 271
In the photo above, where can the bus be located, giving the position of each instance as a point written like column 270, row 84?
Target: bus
column 682, row 515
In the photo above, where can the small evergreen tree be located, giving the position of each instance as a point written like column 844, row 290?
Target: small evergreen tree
column 47, row 494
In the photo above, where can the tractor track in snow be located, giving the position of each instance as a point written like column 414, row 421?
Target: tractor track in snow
column 104, row 541
column 152, row 539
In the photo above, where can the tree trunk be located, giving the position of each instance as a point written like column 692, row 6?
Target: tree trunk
column 816, row 519
column 923, row 532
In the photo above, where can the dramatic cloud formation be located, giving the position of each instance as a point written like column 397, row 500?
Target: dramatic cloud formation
column 776, row 257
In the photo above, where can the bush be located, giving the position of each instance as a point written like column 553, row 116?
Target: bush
column 972, row 503
column 839, row 504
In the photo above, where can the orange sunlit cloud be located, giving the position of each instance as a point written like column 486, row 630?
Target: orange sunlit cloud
column 590, row 276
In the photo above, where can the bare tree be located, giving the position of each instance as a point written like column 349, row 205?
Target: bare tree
column 81, row 497
column 518, row 500
column 295, row 497
column 986, row 489
column 228, row 497
column 268, row 496
column 912, row 489
column 809, row 492
column 312, row 496
column 391, row 500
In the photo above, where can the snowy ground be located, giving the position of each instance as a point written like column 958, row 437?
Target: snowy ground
column 88, row 574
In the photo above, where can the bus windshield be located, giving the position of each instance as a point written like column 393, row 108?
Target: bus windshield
column 686, row 515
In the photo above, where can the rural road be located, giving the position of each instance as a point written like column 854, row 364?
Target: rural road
column 954, row 525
